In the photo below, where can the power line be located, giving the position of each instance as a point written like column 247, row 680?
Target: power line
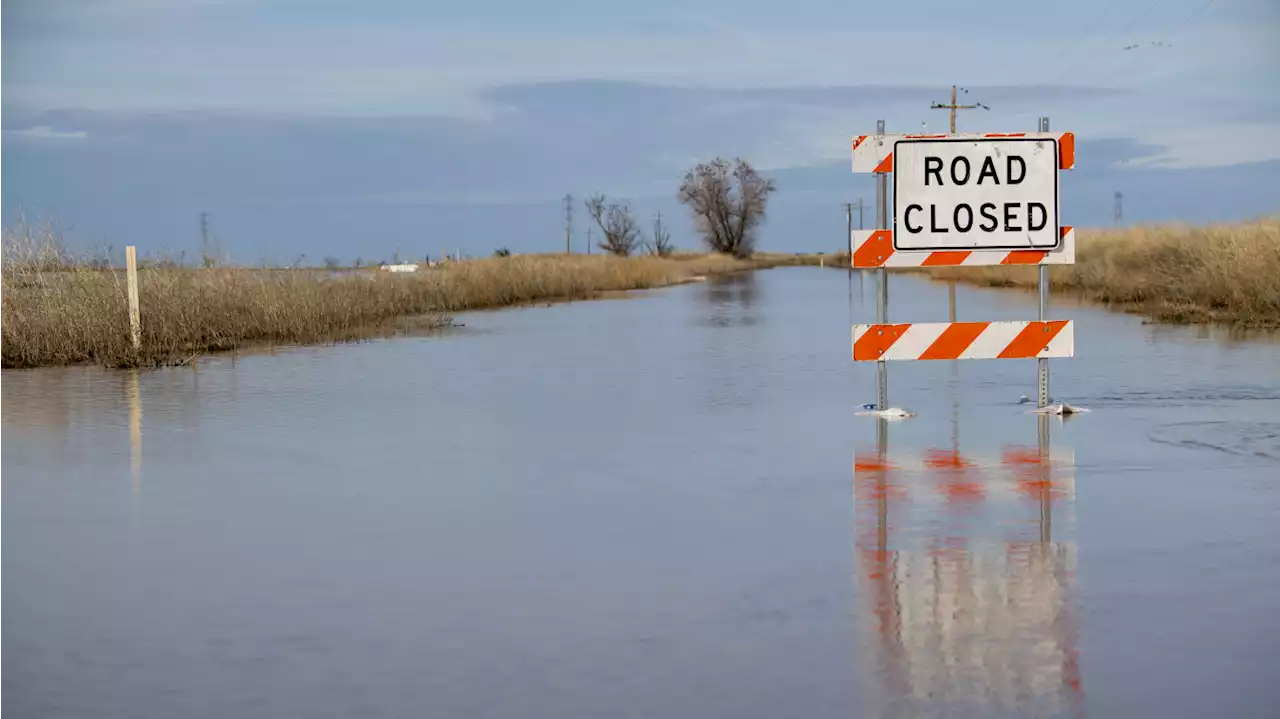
column 1143, row 56
column 1101, row 17
column 1093, row 56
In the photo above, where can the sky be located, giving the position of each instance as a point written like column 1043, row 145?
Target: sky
column 316, row 128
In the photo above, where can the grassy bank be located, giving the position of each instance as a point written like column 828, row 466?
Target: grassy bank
column 57, row 311
column 1172, row 273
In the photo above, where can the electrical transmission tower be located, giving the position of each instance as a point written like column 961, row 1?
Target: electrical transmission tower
column 568, row 224
column 206, row 250
column 1118, row 216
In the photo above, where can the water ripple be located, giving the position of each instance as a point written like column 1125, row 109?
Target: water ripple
column 1257, row 439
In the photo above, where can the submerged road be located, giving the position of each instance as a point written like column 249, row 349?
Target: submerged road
column 658, row 506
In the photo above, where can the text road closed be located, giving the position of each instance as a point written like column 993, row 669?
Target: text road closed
column 998, row 194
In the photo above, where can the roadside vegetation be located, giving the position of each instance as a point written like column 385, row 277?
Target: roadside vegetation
column 1172, row 273
column 1228, row 273
column 62, row 309
column 59, row 309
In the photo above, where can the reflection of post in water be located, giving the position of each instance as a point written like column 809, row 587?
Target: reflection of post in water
column 968, row 611
column 134, row 393
column 1046, row 479
column 872, row 488
column 955, row 407
column 882, row 489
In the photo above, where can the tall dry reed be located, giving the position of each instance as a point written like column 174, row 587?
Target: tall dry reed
column 1172, row 273
column 59, row 310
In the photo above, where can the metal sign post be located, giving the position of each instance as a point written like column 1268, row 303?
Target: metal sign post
column 967, row 199
column 882, row 285
column 1042, row 364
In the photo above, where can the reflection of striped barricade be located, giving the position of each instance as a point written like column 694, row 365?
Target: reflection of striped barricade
column 1018, row 471
column 955, row 610
column 973, row 622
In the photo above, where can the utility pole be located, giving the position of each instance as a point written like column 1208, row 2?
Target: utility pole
column 588, row 239
column 568, row 224
column 849, row 214
column 848, row 230
column 1118, row 217
column 848, row 217
column 952, row 107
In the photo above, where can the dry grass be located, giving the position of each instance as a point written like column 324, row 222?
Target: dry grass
column 1226, row 273
column 1171, row 273
column 57, row 310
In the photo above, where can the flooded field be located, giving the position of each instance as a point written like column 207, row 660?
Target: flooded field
column 655, row 506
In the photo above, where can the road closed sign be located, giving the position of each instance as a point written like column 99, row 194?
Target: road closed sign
column 975, row 194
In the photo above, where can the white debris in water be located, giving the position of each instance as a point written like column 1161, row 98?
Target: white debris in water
column 891, row 413
column 1059, row 408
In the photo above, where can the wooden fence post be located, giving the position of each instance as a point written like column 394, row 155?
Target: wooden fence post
column 135, row 321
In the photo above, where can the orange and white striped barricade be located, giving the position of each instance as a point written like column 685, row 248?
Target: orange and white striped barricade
column 963, row 340
column 964, row 200
column 874, row 248
column 874, row 153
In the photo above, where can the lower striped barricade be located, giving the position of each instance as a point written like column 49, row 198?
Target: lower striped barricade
column 963, row 340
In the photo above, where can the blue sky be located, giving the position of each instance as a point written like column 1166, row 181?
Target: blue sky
column 356, row 129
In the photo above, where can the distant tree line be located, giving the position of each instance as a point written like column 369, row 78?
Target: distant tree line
column 727, row 201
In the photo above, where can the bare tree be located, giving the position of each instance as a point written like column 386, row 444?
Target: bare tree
column 728, row 204
column 619, row 226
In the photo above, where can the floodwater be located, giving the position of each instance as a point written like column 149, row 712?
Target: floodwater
column 662, row 506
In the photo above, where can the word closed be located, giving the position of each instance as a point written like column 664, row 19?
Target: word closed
column 975, row 194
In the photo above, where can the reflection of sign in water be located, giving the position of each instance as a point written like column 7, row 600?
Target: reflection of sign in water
column 966, row 600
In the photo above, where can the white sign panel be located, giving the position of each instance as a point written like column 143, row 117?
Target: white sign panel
column 975, row 194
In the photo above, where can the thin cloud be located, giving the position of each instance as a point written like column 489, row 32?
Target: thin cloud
column 45, row 132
